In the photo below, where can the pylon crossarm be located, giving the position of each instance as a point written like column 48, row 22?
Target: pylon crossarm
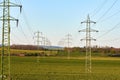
column 88, row 21
column 10, row 5
column 92, row 30
column 84, row 30
column 10, row 19
column 92, row 22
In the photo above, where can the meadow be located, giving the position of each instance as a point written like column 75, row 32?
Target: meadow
column 61, row 68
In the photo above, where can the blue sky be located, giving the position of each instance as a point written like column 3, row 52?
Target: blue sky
column 57, row 18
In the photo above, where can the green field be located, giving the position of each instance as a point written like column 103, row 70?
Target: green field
column 60, row 68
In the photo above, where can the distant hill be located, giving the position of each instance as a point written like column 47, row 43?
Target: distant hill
column 35, row 47
column 53, row 47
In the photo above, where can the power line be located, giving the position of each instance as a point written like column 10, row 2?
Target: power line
column 28, row 40
column 107, row 10
column 27, row 23
column 18, row 38
column 21, row 30
column 111, row 16
column 98, row 9
column 108, row 18
column 109, row 30
column 26, row 19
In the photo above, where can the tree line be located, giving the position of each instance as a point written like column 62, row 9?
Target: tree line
column 104, row 50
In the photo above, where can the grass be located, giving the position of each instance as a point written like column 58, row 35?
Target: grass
column 60, row 68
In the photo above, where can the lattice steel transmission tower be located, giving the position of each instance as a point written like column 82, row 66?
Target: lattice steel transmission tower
column 88, row 39
column 68, row 39
column 38, row 40
column 5, row 52
column 48, row 42
column 61, row 42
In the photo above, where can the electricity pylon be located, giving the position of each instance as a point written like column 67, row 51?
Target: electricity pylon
column 5, row 52
column 88, row 39
column 44, row 41
column 38, row 40
column 48, row 42
column 61, row 42
column 68, row 41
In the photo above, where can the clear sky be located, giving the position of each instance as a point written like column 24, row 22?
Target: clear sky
column 57, row 18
